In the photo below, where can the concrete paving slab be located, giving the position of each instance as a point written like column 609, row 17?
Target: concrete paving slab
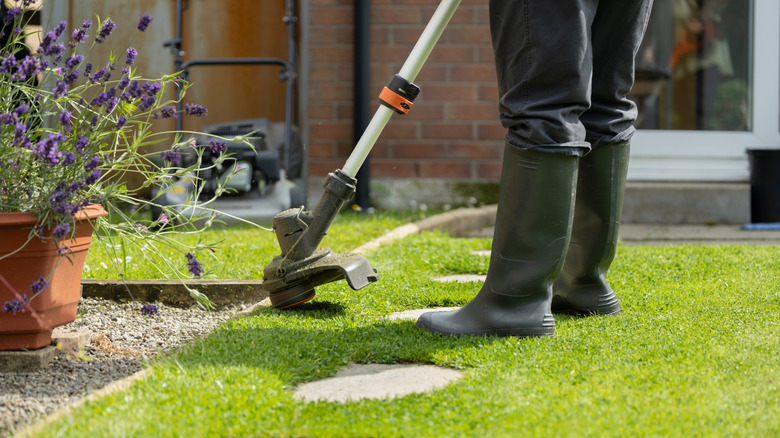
column 415, row 313
column 26, row 361
column 461, row 278
column 377, row 381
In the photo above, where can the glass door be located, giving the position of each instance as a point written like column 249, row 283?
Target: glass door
column 706, row 86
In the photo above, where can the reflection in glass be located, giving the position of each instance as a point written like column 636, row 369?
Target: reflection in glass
column 694, row 69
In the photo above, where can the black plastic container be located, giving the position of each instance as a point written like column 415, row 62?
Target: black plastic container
column 764, row 185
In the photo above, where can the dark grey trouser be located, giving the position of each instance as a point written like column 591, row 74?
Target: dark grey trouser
column 564, row 68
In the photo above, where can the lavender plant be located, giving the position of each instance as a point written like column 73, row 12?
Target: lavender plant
column 72, row 130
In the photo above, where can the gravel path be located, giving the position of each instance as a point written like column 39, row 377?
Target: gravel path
column 122, row 339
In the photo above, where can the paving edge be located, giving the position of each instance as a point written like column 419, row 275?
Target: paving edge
column 456, row 222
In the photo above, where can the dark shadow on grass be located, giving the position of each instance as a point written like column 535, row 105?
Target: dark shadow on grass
column 307, row 349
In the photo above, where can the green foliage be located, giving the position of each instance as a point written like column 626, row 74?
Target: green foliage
column 694, row 353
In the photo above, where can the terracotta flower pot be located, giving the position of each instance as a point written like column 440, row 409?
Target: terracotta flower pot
column 57, row 305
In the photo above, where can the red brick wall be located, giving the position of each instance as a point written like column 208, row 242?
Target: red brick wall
column 452, row 132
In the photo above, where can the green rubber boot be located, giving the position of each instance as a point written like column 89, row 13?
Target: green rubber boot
column 582, row 288
column 533, row 223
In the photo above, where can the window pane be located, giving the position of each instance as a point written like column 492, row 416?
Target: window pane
column 694, row 69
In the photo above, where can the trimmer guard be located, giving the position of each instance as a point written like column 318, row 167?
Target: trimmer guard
column 290, row 283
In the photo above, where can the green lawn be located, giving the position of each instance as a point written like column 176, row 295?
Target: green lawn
column 696, row 352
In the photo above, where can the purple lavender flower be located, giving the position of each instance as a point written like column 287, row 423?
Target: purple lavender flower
column 60, row 28
column 16, row 305
column 39, row 286
column 192, row 109
column 149, row 310
column 61, row 89
column 93, row 177
column 74, row 61
column 194, row 266
column 92, row 164
column 217, row 146
column 145, row 21
column 22, row 108
column 68, row 159
column 47, row 150
column 50, row 46
column 60, row 231
column 166, row 113
column 80, row 35
column 163, row 219
column 65, row 117
column 172, row 156
column 105, row 31
column 80, row 144
column 131, row 54
column 121, row 122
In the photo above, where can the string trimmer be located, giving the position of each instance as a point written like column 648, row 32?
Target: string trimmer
column 291, row 277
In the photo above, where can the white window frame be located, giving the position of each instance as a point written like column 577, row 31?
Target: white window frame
column 665, row 155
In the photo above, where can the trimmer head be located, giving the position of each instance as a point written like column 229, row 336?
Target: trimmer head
column 292, row 283
column 291, row 277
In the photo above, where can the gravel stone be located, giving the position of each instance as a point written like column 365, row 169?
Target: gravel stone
column 122, row 340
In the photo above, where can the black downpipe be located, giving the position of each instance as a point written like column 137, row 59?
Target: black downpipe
column 361, row 95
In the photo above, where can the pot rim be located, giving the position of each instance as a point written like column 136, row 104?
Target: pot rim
column 91, row 211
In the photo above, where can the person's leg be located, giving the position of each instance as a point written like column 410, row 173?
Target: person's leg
column 542, row 62
column 582, row 288
column 535, row 208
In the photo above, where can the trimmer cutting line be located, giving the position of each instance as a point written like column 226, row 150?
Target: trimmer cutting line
column 291, row 277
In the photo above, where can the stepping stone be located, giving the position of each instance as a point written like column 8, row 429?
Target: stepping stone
column 461, row 278
column 377, row 381
column 415, row 313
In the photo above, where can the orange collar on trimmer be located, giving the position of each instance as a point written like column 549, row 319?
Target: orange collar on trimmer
column 399, row 95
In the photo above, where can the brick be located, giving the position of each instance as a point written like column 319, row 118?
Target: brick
column 491, row 150
column 394, row 169
column 321, row 149
column 415, row 150
column 449, row 92
column 491, row 131
column 321, row 111
column 473, row 73
column 331, row 130
column 458, row 131
column 488, row 93
column 423, row 110
column 470, row 34
column 432, row 72
column 331, row 92
column 333, row 14
column 445, row 169
column 453, row 54
column 471, row 111
column 331, row 54
column 319, row 168
column 401, row 129
column 395, row 15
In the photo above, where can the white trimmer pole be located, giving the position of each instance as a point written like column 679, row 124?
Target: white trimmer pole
column 409, row 71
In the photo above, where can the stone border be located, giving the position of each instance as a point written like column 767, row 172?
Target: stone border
column 456, row 222
column 174, row 293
